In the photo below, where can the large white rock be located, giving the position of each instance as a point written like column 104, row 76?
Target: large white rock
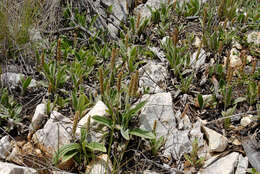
column 13, row 80
column 5, row 147
column 254, row 37
column 160, row 54
column 217, row 142
column 55, row 133
column 99, row 109
column 144, row 10
column 159, row 108
column 178, row 144
column 225, row 165
column 242, row 165
column 38, row 117
column 9, row 168
column 153, row 75
column 101, row 165
column 251, row 147
column 120, row 12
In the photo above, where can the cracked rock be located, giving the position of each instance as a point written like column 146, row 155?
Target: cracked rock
column 55, row 133
column 99, row 109
column 5, row 147
column 254, row 37
column 217, row 142
column 99, row 166
column 153, row 75
column 242, row 165
column 225, row 165
column 9, row 168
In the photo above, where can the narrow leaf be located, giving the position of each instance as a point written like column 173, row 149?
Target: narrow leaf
column 103, row 120
column 125, row 133
column 68, row 156
column 94, row 146
column 27, row 82
column 200, row 100
column 142, row 133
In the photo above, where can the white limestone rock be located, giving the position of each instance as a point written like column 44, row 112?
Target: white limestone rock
column 11, row 79
column 235, row 60
column 120, row 13
column 183, row 122
column 195, row 132
column 5, row 147
column 236, row 45
column 159, row 108
column 254, row 37
column 9, row 168
column 39, row 116
column 197, row 42
column 99, row 109
column 197, row 64
column 245, row 121
column 158, row 53
column 100, row 166
column 164, row 40
column 242, row 165
column 14, row 79
column 217, row 142
column 55, row 133
column 153, row 75
column 144, row 10
column 225, row 165
column 178, row 144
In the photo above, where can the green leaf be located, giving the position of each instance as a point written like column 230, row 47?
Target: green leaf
column 132, row 112
column 125, row 133
column 228, row 97
column 94, row 146
column 27, row 82
column 66, row 151
column 103, row 120
column 142, row 133
column 200, row 100
column 83, row 134
column 18, row 109
column 110, row 9
column 81, row 102
column 239, row 100
column 68, row 156
column 74, row 100
column 159, row 142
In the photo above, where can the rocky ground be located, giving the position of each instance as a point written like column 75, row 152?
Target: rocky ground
column 124, row 86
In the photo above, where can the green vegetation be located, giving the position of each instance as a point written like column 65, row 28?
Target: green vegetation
column 81, row 65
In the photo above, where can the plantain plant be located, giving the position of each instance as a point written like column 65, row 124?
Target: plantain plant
column 81, row 151
column 25, row 81
column 193, row 159
column 55, row 74
column 10, row 110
